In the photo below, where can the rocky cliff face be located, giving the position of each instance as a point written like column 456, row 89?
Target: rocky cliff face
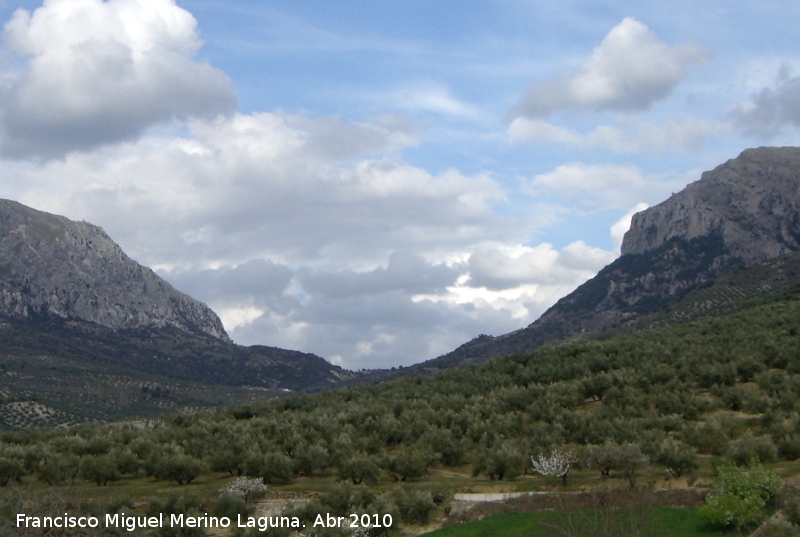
column 744, row 212
column 53, row 266
column 751, row 202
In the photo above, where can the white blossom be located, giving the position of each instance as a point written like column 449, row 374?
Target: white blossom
column 558, row 464
column 246, row 487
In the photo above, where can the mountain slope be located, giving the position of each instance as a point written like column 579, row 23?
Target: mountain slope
column 54, row 371
column 745, row 211
column 52, row 265
column 88, row 333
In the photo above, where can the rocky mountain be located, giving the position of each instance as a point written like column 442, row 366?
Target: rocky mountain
column 742, row 213
column 50, row 265
column 88, row 333
column 752, row 203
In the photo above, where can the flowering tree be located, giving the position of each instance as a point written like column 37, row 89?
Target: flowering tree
column 247, row 488
column 558, row 464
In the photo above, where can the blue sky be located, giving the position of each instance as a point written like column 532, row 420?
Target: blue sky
column 378, row 182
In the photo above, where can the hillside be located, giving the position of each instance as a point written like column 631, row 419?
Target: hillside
column 54, row 372
column 652, row 407
column 645, row 386
column 88, row 333
column 744, row 212
column 76, row 309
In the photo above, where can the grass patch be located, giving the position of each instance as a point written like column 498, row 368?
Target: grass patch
column 651, row 522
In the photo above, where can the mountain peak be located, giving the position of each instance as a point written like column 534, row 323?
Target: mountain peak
column 50, row 265
column 740, row 214
column 751, row 202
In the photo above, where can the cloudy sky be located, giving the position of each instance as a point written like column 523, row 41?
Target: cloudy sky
column 379, row 182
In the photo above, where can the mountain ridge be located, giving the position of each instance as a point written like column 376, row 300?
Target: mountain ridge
column 78, row 316
column 55, row 266
column 743, row 212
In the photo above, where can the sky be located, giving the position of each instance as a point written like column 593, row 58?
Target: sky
column 380, row 182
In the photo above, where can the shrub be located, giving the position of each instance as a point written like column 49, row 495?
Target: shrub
column 58, row 469
column 627, row 459
column 415, row 506
column 504, row 462
column 726, row 511
column 311, row 458
column 741, row 496
column 708, row 438
column 11, row 470
column 246, row 488
column 410, row 463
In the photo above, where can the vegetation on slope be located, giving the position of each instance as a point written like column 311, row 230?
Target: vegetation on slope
column 58, row 372
column 725, row 387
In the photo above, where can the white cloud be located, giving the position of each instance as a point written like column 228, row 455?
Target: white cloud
column 608, row 186
column 772, row 109
column 497, row 267
column 291, row 229
column 99, row 72
column 434, row 98
column 579, row 178
column 277, row 186
column 630, row 70
column 233, row 318
column 303, row 231
column 637, row 137
column 404, row 270
column 400, row 312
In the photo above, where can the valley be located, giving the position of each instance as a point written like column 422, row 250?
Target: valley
column 660, row 396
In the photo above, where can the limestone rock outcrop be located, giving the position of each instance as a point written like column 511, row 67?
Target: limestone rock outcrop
column 50, row 265
column 740, row 214
column 751, row 202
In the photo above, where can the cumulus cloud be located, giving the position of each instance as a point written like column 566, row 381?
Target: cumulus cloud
column 276, row 186
column 404, row 270
column 639, row 137
column 293, row 230
column 356, row 318
column 374, row 330
column 255, row 280
column 303, row 232
column 403, row 311
column 96, row 72
column 604, row 186
column 772, row 109
column 628, row 71
column 499, row 267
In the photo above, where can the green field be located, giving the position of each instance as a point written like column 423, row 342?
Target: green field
column 649, row 522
